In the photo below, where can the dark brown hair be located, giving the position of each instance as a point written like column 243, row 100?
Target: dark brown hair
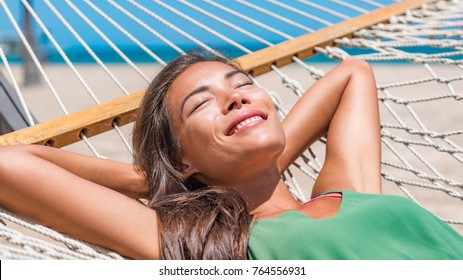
column 195, row 221
column 206, row 224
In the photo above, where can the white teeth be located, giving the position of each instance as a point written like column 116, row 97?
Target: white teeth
column 246, row 121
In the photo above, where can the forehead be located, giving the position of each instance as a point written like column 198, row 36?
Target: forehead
column 197, row 75
column 202, row 72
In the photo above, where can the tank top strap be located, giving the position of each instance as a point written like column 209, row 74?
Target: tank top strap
column 335, row 194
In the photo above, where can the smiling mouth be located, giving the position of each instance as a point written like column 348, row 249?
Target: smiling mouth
column 244, row 123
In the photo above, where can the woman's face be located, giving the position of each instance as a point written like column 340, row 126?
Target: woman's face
column 228, row 127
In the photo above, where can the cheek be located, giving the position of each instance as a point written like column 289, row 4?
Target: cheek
column 197, row 136
column 262, row 94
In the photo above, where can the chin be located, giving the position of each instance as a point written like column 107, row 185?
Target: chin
column 273, row 137
column 269, row 144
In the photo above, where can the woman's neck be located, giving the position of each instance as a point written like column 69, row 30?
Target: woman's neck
column 267, row 193
column 280, row 201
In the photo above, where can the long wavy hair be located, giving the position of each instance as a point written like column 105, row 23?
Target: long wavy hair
column 195, row 221
column 206, row 224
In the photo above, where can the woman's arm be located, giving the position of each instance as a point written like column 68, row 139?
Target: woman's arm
column 68, row 199
column 119, row 176
column 343, row 104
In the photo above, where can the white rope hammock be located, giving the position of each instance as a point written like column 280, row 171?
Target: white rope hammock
column 420, row 159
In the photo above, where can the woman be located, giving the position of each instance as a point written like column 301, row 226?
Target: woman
column 204, row 123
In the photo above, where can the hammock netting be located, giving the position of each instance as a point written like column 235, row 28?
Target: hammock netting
column 421, row 115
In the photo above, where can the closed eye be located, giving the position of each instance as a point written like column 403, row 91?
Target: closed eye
column 247, row 83
column 197, row 106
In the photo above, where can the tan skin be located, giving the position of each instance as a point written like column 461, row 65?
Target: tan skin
column 91, row 198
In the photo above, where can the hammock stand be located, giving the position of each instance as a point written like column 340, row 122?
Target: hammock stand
column 356, row 32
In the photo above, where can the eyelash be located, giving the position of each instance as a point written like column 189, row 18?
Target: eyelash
column 197, row 106
column 247, row 83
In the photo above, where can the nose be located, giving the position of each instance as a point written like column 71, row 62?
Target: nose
column 235, row 101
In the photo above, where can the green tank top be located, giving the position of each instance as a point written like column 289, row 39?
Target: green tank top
column 366, row 226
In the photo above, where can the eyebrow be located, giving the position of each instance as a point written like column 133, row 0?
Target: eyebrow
column 233, row 73
column 201, row 89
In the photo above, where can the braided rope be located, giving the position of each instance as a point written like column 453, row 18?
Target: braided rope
column 150, row 30
column 324, row 9
column 60, row 50
column 249, row 19
column 74, row 249
column 350, row 6
column 227, row 23
column 276, row 16
column 125, row 32
column 34, row 57
column 297, row 11
column 16, row 87
column 203, row 26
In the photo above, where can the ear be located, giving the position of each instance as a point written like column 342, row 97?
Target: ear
column 187, row 169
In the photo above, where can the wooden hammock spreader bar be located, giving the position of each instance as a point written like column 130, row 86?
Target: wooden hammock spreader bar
column 66, row 130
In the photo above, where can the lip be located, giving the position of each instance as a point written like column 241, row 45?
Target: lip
column 242, row 117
